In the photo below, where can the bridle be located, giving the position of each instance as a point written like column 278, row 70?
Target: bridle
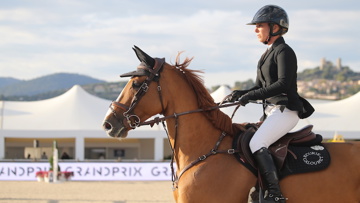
column 129, row 116
column 154, row 76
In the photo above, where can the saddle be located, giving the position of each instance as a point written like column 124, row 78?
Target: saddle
column 294, row 153
column 280, row 149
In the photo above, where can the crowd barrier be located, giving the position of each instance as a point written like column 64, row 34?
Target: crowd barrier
column 90, row 171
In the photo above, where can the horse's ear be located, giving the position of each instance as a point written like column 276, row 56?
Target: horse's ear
column 144, row 57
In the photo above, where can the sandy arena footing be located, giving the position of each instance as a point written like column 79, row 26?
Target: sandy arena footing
column 86, row 192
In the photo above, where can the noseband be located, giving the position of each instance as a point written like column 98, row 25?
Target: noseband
column 128, row 110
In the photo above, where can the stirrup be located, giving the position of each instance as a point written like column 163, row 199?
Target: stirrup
column 277, row 199
column 273, row 199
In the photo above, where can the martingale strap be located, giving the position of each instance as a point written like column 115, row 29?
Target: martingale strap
column 213, row 151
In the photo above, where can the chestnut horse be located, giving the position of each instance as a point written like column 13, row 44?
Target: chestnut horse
column 179, row 95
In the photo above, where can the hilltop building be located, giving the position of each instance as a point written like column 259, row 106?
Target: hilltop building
column 325, row 64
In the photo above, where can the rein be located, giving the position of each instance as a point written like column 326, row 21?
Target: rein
column 158, row 119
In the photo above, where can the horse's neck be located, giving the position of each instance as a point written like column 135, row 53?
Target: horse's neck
column 194, row 135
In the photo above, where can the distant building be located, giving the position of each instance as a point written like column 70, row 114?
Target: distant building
column 99, row 89
column 325, row 64
column 338, row 64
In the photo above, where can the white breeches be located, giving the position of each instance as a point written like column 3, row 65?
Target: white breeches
column 276, row 125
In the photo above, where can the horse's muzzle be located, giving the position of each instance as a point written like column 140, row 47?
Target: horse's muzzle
column 114, row 128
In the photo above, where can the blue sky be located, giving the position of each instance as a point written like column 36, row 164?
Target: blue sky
column 95, row 37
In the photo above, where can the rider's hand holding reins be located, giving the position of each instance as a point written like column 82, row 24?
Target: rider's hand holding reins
column 244, row 100
column 235, row 95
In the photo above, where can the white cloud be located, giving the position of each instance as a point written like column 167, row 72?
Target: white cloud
column 10, row 35
column 96, row 39
column 27, row 16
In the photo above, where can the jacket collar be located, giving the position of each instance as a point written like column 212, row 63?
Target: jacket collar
column 279, row 41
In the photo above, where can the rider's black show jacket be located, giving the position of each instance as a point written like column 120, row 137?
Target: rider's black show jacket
column 276, row 80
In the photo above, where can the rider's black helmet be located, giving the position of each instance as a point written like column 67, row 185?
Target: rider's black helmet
column 272, row 14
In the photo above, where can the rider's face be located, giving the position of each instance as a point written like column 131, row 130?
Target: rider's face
column 262, row 31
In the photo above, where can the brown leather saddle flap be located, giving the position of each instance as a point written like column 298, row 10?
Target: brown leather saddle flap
column 243, row 144
column 279, row 149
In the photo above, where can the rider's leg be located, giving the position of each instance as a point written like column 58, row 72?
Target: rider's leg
column 276, row 125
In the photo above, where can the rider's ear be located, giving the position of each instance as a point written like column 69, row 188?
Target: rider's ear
column 144, row 57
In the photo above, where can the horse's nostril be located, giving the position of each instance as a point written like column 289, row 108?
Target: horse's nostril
column 107, row 126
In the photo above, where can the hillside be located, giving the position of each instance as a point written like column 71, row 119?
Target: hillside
column 4, row 81
column 50, row 83
column 329, row 82
column 329, row 73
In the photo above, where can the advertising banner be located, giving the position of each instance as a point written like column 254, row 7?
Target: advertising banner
column 90, row 171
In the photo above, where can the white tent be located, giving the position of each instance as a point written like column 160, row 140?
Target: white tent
column 75, row 114
column 74, row 110
column 78, row 115
column 337, row 117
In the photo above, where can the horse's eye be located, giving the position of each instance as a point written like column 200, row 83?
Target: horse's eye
column 136, row 85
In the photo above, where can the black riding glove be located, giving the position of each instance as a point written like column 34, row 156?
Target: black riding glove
column 235, row 95
column 244, row 100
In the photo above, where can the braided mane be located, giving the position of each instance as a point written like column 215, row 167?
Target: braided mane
column 219, row 119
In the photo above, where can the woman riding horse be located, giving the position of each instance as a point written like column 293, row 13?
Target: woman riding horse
column 276, row 86
column 206, row 139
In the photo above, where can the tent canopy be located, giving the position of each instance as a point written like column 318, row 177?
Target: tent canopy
column 74, row 110
column 78, row 110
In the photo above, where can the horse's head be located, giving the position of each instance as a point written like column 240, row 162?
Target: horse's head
column 182, row 91
column 138, row 100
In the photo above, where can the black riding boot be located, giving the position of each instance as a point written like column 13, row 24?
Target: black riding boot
column 268, row 171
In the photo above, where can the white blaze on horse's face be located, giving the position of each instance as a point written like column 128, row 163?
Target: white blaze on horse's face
column 108, row 126
column 110, row 111
column 113, row 122
column 127, row 113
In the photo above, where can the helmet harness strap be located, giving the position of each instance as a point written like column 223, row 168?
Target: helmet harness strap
column 271, row 25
